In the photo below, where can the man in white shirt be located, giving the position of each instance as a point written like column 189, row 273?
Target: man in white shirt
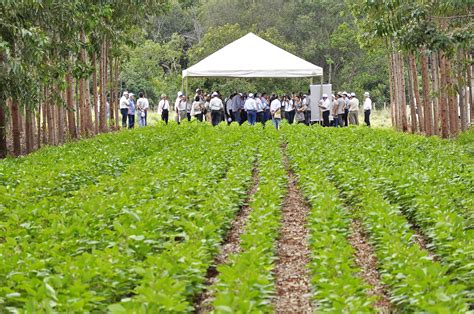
column 324, row 105
column 367, row 108
column 216, row 106
column 164, row 108
column 124, row 108
column 251, row 107
column 307, row 113
column 142, row 106
column 354, row 110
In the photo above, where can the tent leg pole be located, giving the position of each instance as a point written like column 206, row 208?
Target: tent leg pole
column 186, row 87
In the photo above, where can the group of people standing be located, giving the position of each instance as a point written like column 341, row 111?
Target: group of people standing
column 128, row 109
column 343, row 109
column 339, row 111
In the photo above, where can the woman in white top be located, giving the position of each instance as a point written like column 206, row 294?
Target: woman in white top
column 289, row 109
column 275, row 111
column 197, row 108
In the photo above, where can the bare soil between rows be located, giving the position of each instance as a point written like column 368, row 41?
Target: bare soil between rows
column 293, row 280
column 230, row 245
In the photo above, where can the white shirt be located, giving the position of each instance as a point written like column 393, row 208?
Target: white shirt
column 124, row 102
column 250, row 104
column 180, row 105
column 164, row 104
column 288, row 105
column 367, row 104
column 275, row 105
column 143, row 104
column 354, row 104
column 325, row 104
column 216, row 104
column 260, row 105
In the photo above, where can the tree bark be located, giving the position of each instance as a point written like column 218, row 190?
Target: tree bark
column 15, row 116
column 103, row 72
column 415, row 90
column 428, row 112
column 29, row 137
column 392, row 102
column 443, row 96
column 403, row 94
column 435, row 80
column 3, row 130
column 61, row 121
column 396, row 98
column 469, row 84
column 82, row 91
column 45, row 115
column 95, row 92
column 71, row 118
column 110, row 62
column 38, row 125
column 49, row 115
column 118, row 88
column 411, row 97
column 452, row 102
column 462, row 90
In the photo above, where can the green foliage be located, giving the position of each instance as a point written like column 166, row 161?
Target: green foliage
column 245, row 284
column 338, row 288
column 361, row 173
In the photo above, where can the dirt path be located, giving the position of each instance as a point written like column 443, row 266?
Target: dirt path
column 231, row 245
column 293, row 285
column 367, row 261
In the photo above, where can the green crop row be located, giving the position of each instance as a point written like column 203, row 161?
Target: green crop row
column 338, row 287
column 434, row 185
column 246, row 283
column 97, row 247
column 417, row 283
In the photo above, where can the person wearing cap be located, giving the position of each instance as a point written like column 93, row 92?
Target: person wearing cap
column 164, row 108
column 250, row 107
column 131, row 111
column 354, row 110
column 199, row 94
column 142, row 107
column 345, row 115
column 367, row 108
column 216, row 106
column 180, row 108
column 325, row 108
column 275, row 110
column 338, row 110
column 332, row 103
column 124, row 108
column 307, row 113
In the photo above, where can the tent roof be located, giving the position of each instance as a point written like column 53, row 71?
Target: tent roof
column 252, row 56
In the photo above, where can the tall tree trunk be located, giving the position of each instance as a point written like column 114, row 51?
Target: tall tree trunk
column 118, row 88
column 90, row 123
column 415, row 93
column 392, row 90
column 3, row 129
column 71, row 118
column 443, row 97
column 110, row 62
column 471, row 92
column 95, row 92
column 50, row 117
column 395, row 96
column 38, row 125
column 411, row 98
column 403, row 94
column 103, row 74
column 452, row 107
column 428, row 113
column 15, row 115
column 82, row 91
column 435, row 80
column 61, row 121
column 45, row 115
column 461, row 87
column 29, row 137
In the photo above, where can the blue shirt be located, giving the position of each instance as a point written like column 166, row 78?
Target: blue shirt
column 131, row 107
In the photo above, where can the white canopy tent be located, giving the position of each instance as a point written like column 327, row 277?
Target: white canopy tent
column 252, row 56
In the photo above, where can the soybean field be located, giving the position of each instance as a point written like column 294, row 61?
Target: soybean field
column 195, row 219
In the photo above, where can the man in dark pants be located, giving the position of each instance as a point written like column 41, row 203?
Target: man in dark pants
column 124, row 108
column 216, row 106
column 324, row 105
column 345, row 117
column 367, row 108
